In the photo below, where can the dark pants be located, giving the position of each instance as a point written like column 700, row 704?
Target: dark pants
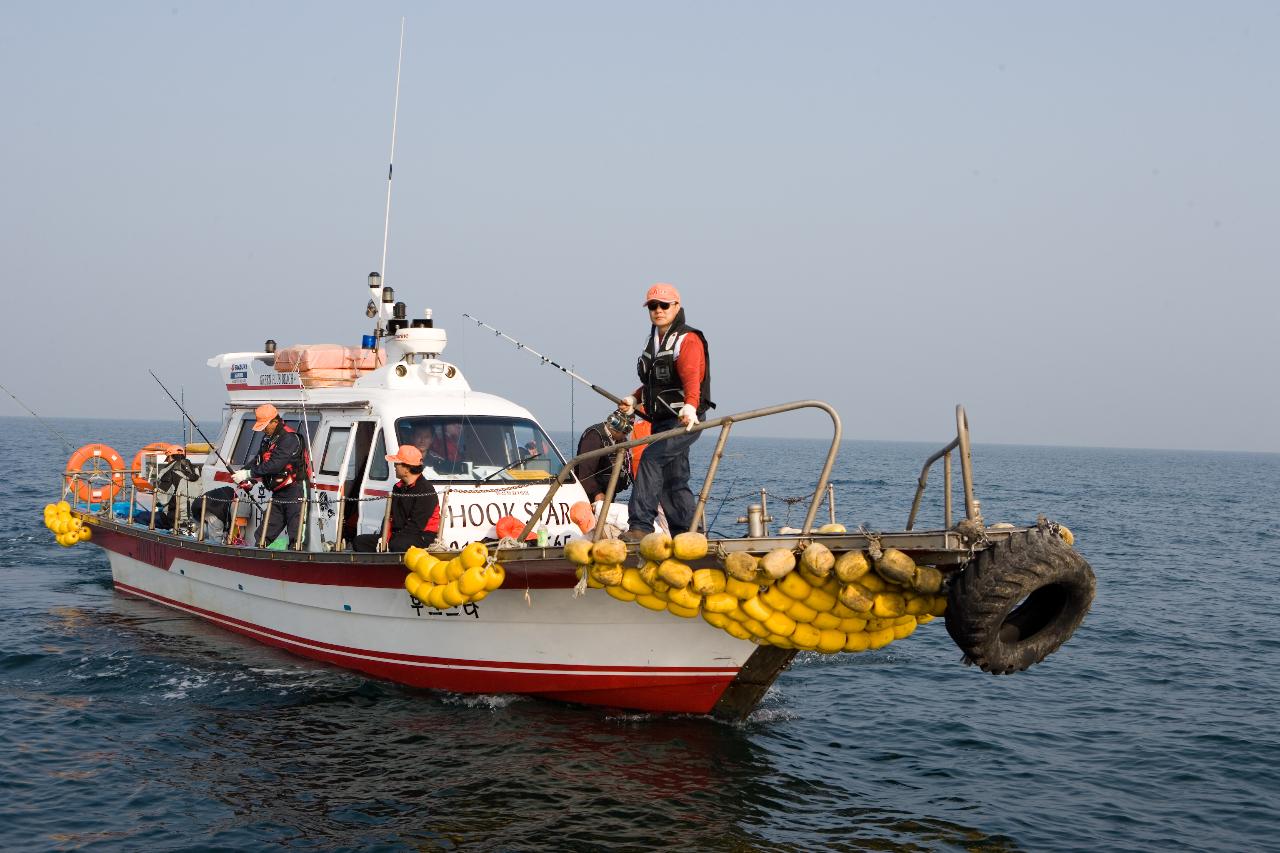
column 286, row 510
column 367, row 543
column 663, row 478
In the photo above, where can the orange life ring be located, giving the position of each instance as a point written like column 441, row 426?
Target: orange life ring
column 154, row 447
column 97, row 454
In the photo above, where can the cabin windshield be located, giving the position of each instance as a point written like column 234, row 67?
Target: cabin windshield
column 476, row 449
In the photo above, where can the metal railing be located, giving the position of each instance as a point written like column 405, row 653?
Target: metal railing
column 961, row 443
column 699, row 515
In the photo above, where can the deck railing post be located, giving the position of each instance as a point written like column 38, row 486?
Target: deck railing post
column 266, row 519
column 700, row 511
column 966, row 463
column 614, row 475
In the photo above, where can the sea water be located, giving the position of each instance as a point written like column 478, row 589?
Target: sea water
column 128, row 726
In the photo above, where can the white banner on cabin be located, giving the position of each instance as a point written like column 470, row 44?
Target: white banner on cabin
column 468, row 514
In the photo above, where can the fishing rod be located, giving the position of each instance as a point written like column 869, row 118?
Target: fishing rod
column 60, row 436
column 193, row 423
column 545, row 360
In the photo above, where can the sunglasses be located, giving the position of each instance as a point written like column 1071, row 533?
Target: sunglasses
column 654, row 305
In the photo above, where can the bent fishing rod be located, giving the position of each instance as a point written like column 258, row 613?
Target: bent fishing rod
column 199, row 431
column 545, row 360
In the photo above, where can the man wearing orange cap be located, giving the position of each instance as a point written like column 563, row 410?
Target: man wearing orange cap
column 675, row 389
column 415, row 509
column 282, row 466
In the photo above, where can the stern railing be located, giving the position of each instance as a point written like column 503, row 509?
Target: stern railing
column 725, row 424
column 959, row 443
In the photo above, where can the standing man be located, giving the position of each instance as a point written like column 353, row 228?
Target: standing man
column 595, row 473
column 415, row 509
column 281, row 464
column 675, row 388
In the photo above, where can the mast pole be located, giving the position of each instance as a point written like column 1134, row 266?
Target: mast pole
column 386, row 226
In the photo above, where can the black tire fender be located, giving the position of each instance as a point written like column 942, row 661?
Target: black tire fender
column 1019, row 600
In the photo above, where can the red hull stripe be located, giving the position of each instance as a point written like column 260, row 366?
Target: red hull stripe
column 231, row 387
column 679, row 689
column 360, row 575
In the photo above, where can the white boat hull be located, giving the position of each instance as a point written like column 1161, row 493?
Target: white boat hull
column 591, row 649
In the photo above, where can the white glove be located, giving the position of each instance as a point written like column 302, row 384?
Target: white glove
column 626, row 404
column 240, row 476
column 688, row 416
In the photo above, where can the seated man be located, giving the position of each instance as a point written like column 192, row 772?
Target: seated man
column 445, row 454
column 595, row 473
column 415, row 508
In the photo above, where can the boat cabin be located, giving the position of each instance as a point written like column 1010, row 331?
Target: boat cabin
column 487, row 457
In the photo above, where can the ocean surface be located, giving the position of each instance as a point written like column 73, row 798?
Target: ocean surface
column 127, row 726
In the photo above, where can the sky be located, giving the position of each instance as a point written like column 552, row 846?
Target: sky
column 1063, row 216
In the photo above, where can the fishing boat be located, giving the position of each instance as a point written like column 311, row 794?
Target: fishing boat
column 526, row 589
column 566, row 612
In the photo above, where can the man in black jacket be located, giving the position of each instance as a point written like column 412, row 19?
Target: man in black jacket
column 595, row 473
column 281, row 464
column 415, row 508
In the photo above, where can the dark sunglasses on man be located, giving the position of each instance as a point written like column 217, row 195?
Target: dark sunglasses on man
column 654, row 305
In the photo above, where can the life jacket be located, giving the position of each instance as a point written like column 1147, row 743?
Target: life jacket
column 661, row 388
column 293, row 471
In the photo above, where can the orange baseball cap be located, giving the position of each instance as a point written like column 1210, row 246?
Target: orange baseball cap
column 408, row 454
column 662, row 293
column 265, row 414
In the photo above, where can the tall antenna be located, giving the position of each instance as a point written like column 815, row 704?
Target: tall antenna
column 395, row 114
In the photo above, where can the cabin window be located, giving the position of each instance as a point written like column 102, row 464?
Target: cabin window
column 248, row 441
column 481, row 448
column 334, row 449
column 379, row 468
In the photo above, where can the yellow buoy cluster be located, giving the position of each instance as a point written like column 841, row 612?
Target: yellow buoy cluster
column 465, row 579
column 807, row 600
column 66, row 527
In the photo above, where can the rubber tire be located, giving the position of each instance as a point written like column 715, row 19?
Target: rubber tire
column 1019, row 601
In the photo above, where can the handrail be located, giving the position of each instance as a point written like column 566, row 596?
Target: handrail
column 725, row 423
column 961, row 441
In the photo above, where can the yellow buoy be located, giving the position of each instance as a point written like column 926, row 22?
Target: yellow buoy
column 685, row 598
column 741, row 565
column 609, row 552
column 708, row 581
column 817, row 558
column 494, row 578
column 472, row 580
column 435, row 597
column 656, row 546
column 675, row 573
column 780, row 624
column 776, row 599
column 741, row 590
column 475, row 555
column 858, row 641
column 719, row 602
column 578, row 551
column 852, row 565
column 795, row 586
column 805, row 636
column 879, row 639
column 689, row 546
column 757, row 609
column 801, row 612
column 831, row 641
column 619, row 593
column 632, row 582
